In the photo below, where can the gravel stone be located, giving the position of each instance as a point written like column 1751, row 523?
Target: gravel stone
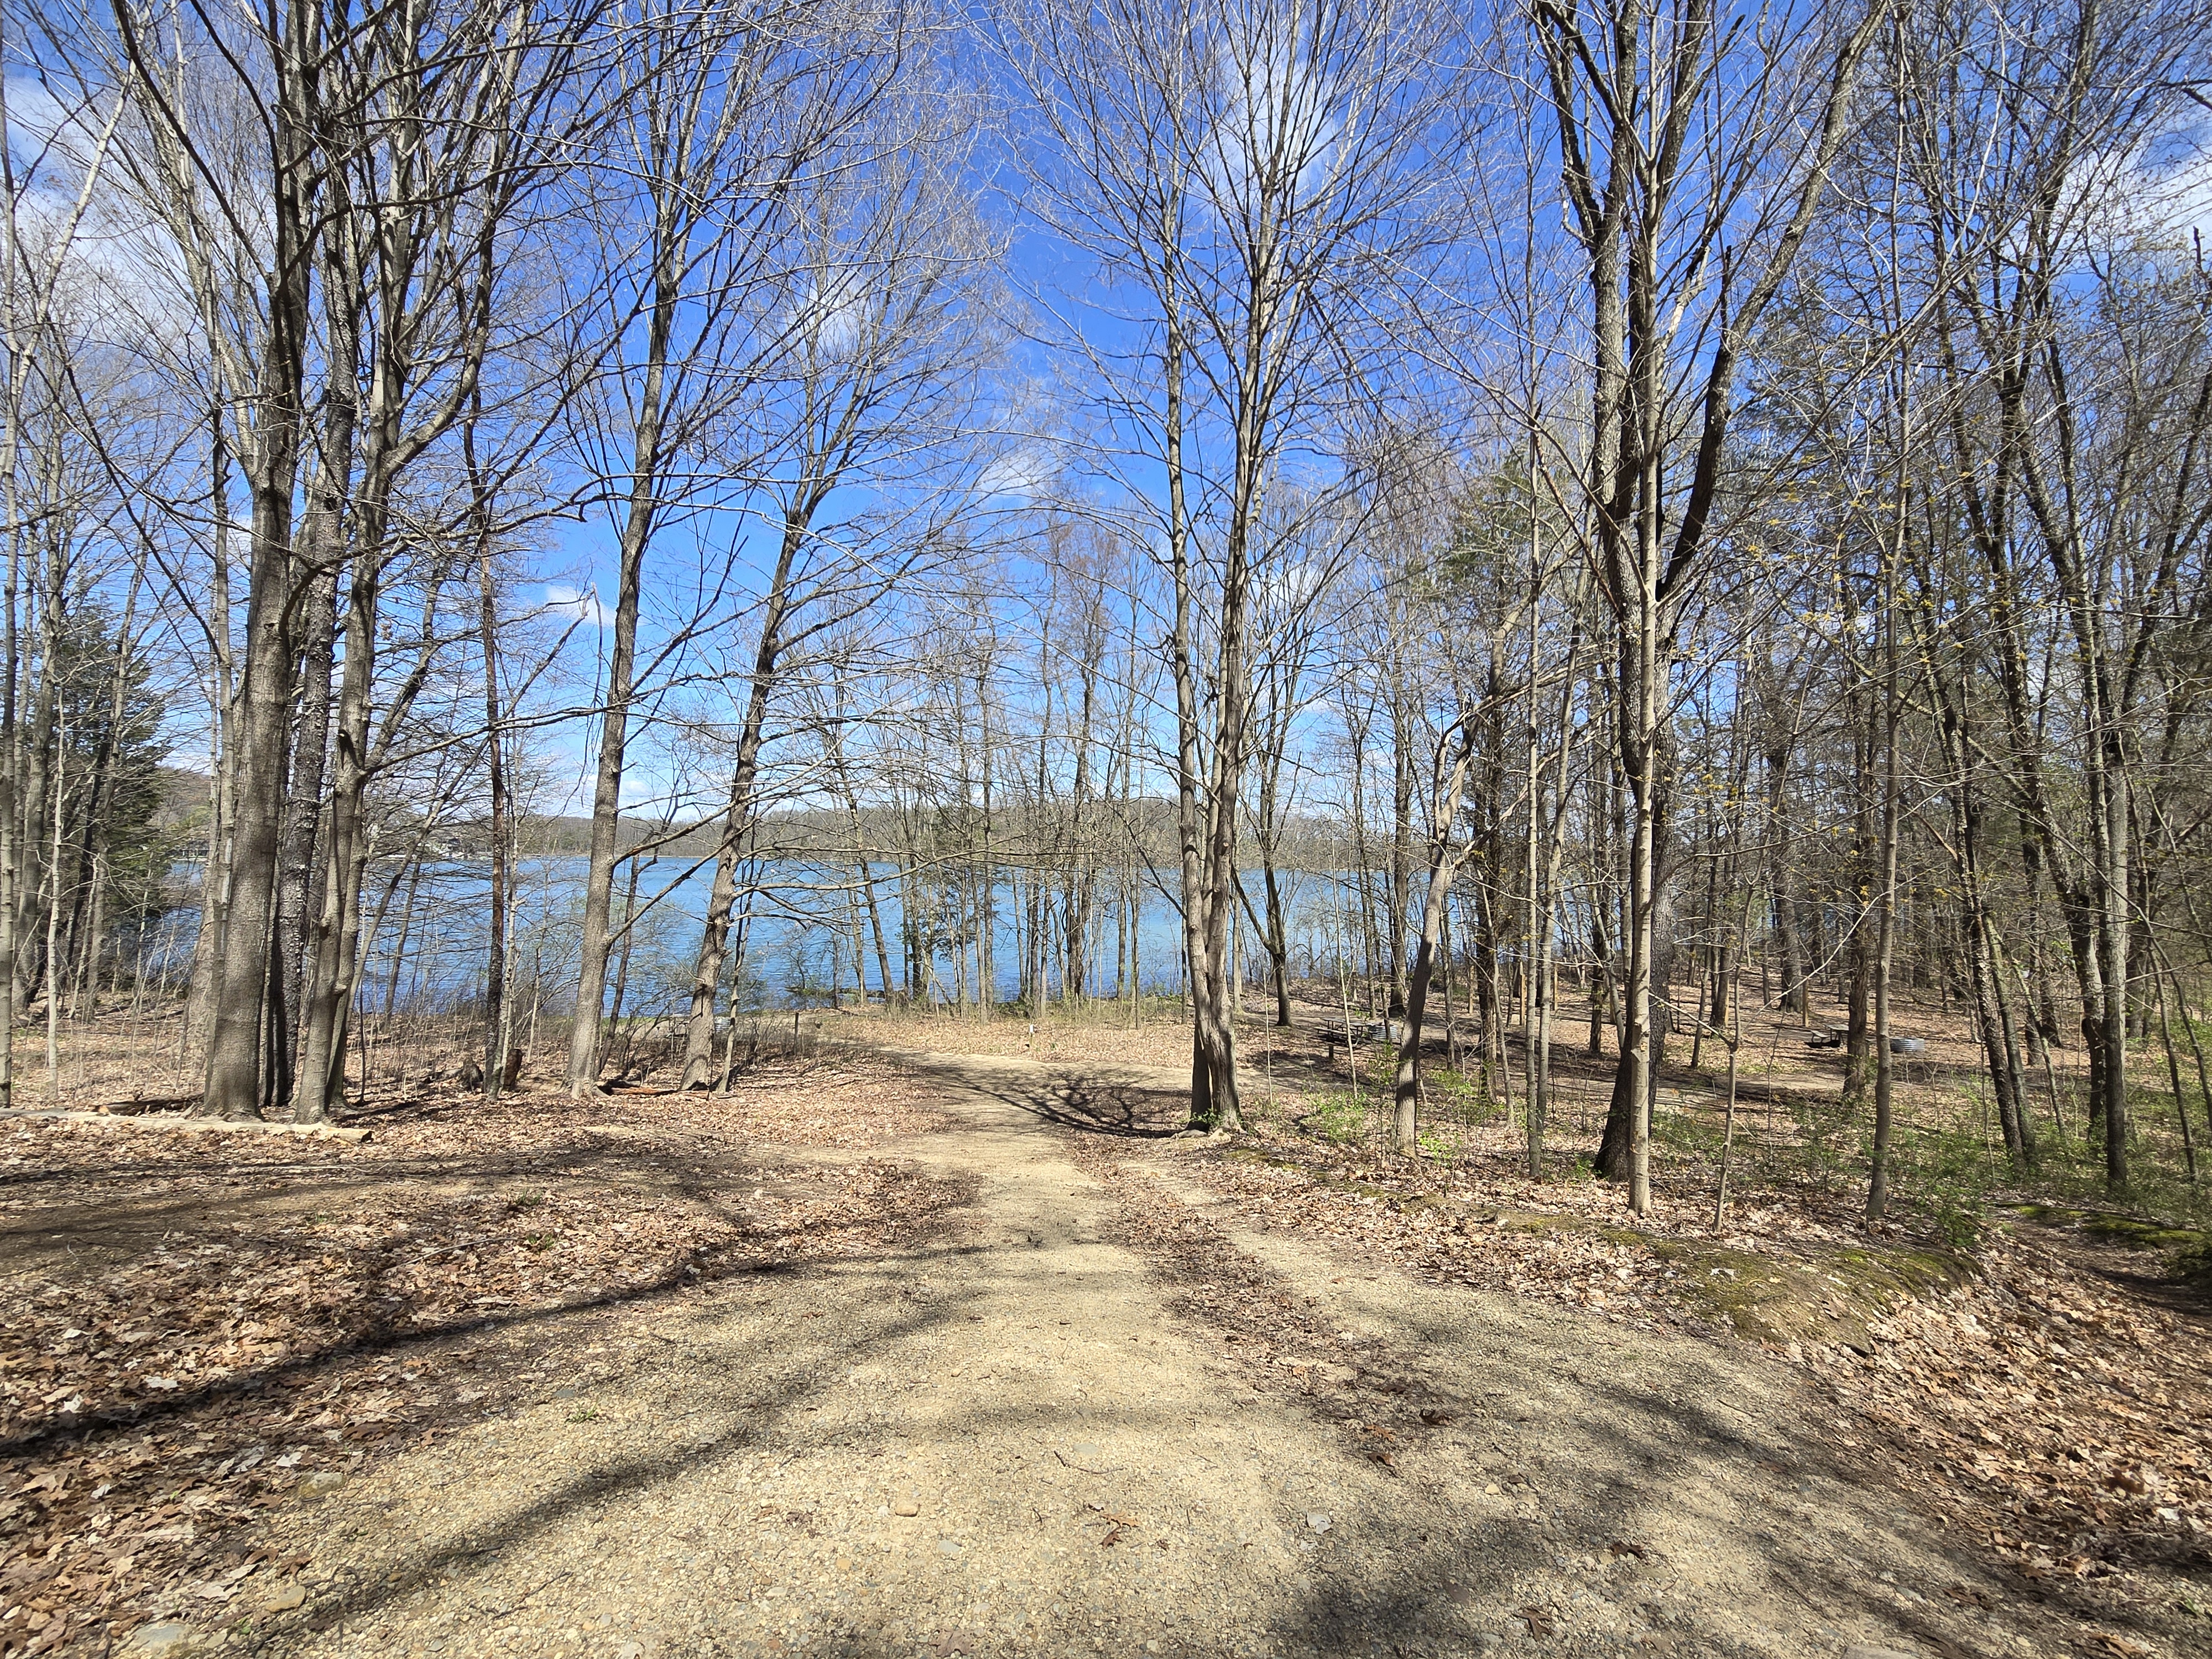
column 160, row 1640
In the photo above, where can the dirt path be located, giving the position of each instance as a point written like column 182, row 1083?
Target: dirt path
column 1028, row 1439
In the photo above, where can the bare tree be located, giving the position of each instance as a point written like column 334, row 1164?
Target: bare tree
column 1247, row 168
column 459, row 130
column 269, row 220
column 883, row 353
column 723, row 108
column 2064, row 475
column 31, row 269
column 1695, row 146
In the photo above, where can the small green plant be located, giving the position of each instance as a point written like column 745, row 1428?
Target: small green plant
column 522, row 1202
column 1687, row 1131
column 1340, row 1117
column 1459, row 1097
column 584, row 1414
column 1946, row 1172
column 2192, row 1262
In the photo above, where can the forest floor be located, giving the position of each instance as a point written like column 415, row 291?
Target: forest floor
column 904, row 1347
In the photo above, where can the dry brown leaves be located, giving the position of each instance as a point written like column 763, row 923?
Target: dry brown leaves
column 1478, row 1227
column 2060, row 1411
column 858, row 1101
column 189, row 1326
column 2065, row 1414
column 1275, row 1338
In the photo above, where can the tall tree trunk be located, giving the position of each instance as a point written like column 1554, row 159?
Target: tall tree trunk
column 1401, row 824
column 1545, row 898
column 60, row 740
column 13, row 841
column 495, row 1020
column 614, row 720
column 1278, row 941
column 1182, row 645
column 738, row 817
column 840, row 773
column 239, row 1076
column 298, row 899
column 222, row 769
column 321, row 1087
column 987, row 907
column 1885, row 913
column 1443, row 864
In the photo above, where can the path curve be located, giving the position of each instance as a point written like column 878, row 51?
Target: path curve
column 1023, row 1438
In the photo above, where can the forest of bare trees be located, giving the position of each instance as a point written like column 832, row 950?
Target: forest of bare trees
column 538, row 513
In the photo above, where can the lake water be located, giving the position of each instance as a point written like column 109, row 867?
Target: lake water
column 431, row 926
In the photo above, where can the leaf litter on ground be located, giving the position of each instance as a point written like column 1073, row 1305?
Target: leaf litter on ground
column 2046, row 1406
column 195, row 1329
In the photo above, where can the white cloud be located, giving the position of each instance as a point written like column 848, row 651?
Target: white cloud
column 2160, row 194
column 583, row 604
column 2180, row 199
column 1278, row 114
column 1026, row 471
column 833, row 317
column 122, row 274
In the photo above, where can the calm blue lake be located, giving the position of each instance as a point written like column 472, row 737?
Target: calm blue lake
column 430, row 923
